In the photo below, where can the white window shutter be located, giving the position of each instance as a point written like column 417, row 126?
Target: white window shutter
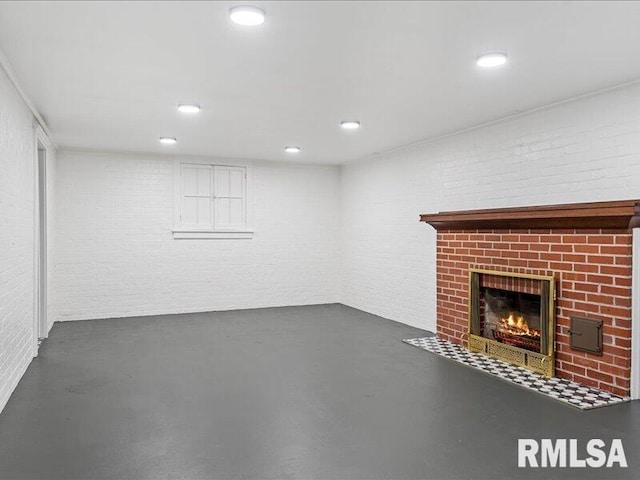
column 197, row 196
column 230, row 197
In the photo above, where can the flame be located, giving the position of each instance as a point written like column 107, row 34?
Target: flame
column 516, row 325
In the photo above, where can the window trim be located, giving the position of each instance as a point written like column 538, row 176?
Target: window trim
column 181, row 232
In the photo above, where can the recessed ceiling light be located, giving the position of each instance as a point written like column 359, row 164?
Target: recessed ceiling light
column 247, row 15
column 491, row 60
column 292, row 149
column 350, row 124
column 168, row 140
column 188, row 108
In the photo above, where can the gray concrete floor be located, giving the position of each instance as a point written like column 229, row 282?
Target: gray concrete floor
column 323, row 392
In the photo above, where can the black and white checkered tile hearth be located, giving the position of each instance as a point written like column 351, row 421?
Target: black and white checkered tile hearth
column 566, row 391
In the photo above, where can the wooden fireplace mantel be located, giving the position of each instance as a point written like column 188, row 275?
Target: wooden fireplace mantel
column 618, row 214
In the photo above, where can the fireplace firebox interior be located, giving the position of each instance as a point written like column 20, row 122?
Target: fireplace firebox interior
column 511, row 317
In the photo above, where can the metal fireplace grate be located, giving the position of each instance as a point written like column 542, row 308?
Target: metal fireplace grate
column 533, row 352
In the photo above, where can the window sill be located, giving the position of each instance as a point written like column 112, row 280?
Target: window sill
column 211, row 234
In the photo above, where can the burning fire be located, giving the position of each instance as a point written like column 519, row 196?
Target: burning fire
column 516, row 325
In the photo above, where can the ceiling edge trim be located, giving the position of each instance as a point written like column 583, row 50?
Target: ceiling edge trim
column 13, row 78
column 497, row 121
column 151, row 155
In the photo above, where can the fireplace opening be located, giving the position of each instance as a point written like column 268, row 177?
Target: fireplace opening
column 512, row 317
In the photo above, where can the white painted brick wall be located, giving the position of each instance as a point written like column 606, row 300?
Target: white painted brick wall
column 115, row 254
column 17, row 149
column 587, row 150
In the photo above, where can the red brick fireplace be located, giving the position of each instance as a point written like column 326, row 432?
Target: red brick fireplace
column 586, row 248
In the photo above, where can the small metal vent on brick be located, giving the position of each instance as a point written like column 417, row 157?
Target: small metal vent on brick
column 586, row 335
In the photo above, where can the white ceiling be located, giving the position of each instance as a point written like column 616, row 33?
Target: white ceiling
column 108, row 75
